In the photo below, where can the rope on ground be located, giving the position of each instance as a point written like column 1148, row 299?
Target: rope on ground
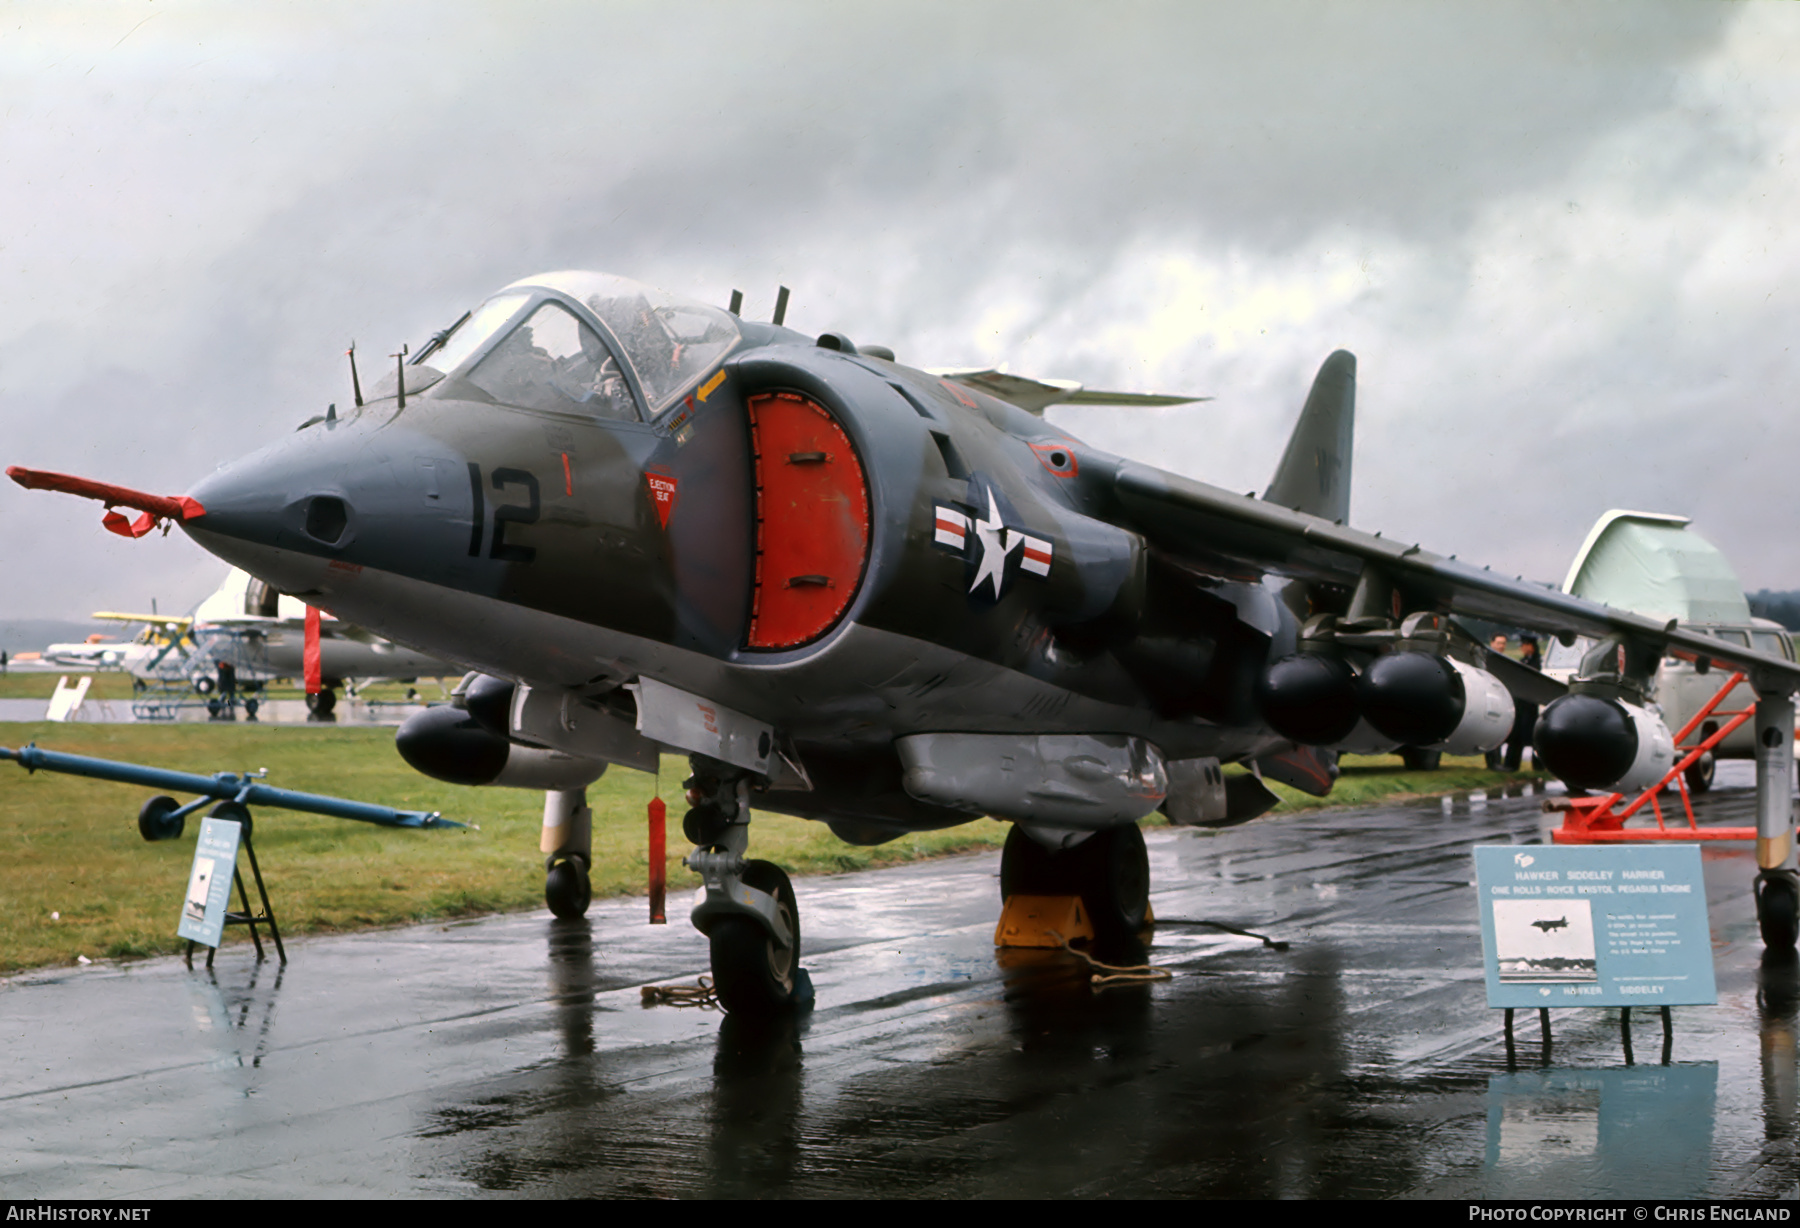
column 700, row 994
column 1106, row 975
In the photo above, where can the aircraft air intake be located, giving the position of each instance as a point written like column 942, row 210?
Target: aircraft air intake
column 812, row 521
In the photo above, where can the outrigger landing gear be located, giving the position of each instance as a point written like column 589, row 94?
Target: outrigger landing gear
column 567, row 845
column 749, row 915
column 1778, row 909
column 1777, row 884
column 1110, row 871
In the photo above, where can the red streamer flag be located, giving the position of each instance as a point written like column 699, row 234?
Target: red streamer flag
column 311, row 655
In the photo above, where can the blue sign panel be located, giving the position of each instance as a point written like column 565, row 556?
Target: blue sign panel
column 1635, row 1132
column 1597, row 925
column 209, row 884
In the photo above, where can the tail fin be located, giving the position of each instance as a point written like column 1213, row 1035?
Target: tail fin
column 1314, row 474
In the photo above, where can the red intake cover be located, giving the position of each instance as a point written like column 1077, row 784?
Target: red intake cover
column 812, row 521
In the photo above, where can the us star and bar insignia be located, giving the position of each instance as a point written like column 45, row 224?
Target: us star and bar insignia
column 988, row 543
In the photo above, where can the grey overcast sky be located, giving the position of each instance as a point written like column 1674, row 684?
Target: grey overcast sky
column 1558, row 236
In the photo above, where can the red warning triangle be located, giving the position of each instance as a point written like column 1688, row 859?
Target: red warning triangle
column 662, row 494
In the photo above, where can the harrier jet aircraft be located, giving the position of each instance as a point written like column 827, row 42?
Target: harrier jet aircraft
column 890, row 601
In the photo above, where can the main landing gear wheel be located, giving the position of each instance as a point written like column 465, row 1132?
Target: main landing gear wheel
column 566, row 887
column 753, row 974
column 1416, row 759
column 1110, row 871
column 1116, row 881
column 1778, row 909
column 322, row 704
column 1700, row 775
column 1028, row 868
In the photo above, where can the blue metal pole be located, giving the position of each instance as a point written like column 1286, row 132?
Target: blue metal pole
column 224, row 786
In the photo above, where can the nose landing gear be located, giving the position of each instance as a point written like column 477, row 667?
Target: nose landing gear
column 749, row 916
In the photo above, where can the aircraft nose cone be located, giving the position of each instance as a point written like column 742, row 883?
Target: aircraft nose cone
column 286, row 503
column 271, row 504
column 308, row 513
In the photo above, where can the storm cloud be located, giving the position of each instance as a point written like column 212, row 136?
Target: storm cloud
column 1556, row 235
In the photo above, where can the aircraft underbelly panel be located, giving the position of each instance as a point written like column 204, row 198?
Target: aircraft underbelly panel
column 812, row 521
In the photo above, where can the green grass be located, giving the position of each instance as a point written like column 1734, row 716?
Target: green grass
column 114, row 685
column 72, row 846
column 1367, row 779
column 76, row 878
column 108, row 684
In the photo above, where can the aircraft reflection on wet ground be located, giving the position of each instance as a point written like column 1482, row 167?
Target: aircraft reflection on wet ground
column 512, row 1056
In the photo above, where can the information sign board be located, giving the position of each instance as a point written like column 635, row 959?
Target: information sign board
column 209, row 883
column 1596, row 925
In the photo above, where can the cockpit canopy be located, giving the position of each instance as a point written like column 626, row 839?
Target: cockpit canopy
column 589, row 343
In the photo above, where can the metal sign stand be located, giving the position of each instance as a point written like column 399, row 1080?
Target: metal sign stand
column 1668, row 1045
column 1543, row 1032
column 245, row 916
column 1625, row 1035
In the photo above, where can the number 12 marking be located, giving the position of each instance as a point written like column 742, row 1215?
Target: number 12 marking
column 504, row 513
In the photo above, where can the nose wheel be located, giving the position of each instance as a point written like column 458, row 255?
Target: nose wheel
column 749, row 915
column 753, row 972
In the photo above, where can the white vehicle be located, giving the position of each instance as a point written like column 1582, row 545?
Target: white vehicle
column 1654, row 564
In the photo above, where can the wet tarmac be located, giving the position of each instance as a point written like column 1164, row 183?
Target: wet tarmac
column 513, row 1056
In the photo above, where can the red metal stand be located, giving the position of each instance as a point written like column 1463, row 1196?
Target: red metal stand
column 1593, row 820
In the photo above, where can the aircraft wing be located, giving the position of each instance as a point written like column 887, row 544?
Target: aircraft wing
column 1244, row 535
column 157, row 620
column 1036, row 395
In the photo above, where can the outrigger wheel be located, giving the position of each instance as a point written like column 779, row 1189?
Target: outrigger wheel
column 1778, row 908
column 567, row 889
column 1110, row 871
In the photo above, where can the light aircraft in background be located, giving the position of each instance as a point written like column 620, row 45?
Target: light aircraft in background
column 95, row 652
column 857, row 592
column 260, row 635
